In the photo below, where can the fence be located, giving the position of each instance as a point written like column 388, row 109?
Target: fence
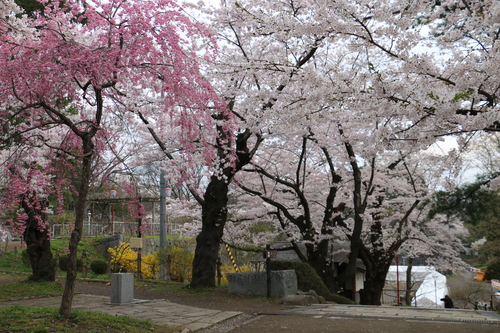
column 390, row 296
column 97, row 229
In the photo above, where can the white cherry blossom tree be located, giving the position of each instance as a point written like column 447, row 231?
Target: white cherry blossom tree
column 358, row 81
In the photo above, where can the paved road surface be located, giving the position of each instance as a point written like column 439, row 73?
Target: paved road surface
column 312, row 319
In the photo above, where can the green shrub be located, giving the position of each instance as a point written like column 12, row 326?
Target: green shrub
column 63, row 263
column 308, row 279
column 492, row 271
column 99, row 267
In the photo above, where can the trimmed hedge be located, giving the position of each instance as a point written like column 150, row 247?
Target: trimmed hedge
column 99, row 267
column 63, row 263
column 308, row 279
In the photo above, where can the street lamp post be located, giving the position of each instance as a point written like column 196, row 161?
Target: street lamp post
column 89, row 214
column 164, row 193
column 168, row 192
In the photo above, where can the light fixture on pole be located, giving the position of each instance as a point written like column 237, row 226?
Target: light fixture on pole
column 89, row 214
column 168, row 192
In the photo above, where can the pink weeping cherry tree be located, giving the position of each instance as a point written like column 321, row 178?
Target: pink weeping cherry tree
column 86, row 67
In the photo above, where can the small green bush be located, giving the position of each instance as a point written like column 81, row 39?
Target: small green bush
column 492, row 271
column 99, row 267
column 308, row 279
column 63, row 263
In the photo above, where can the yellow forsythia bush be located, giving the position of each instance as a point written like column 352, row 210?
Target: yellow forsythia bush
column 230, row 269
column 124, row 259
column 150, row 266
column 181, row 263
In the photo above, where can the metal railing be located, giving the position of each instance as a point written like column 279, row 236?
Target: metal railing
column 390, row 296
column 98, row 229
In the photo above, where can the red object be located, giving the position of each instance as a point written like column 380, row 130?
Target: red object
column 397, row 278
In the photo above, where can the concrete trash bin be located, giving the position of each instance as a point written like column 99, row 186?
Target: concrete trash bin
column 122, row 288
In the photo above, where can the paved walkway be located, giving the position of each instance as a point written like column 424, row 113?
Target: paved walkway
column 394, row 312
column 194, row 319
column 158, row 311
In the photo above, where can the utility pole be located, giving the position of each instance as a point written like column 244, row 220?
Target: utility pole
column 163, row 224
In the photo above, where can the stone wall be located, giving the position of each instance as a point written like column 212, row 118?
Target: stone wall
column 283, row 282
column 110, row 242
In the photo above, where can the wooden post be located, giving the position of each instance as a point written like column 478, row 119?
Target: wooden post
column 139, row 264
column 109, row 265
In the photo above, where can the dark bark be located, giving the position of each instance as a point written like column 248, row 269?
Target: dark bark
column 214, row 210
column 377, row 263
column 409, row 282
column 38, row 244
column 87, row 153
column 319, row 259
column 214, row 201
column 351, row 266
column 214, row 215
column 359, row 204
column 371, row 294
column 76, row 234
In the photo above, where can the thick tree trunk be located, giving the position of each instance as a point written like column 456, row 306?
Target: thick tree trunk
column 76, row 234
column 320, row 261
column 214, row 215
column 409, row 282
column 377, row 266
column 214, row 210
column 371, row 294
column 38, row 246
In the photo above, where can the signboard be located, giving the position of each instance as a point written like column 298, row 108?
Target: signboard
column 270, row 254
column 136, row 243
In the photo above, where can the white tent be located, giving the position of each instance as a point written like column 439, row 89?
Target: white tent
column 432, row 289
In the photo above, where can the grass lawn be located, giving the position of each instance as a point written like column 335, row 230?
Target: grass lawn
column 39, row 320
column 44, row 319
column 28, row 289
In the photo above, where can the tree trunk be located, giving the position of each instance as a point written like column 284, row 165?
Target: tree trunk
column 377, row 266
column 320, row 261
column 351, row 266
column 409, row 282
column 76, row 234
column 37, row 240
column 214, row 215
column 214, row 208
column 371, row 294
